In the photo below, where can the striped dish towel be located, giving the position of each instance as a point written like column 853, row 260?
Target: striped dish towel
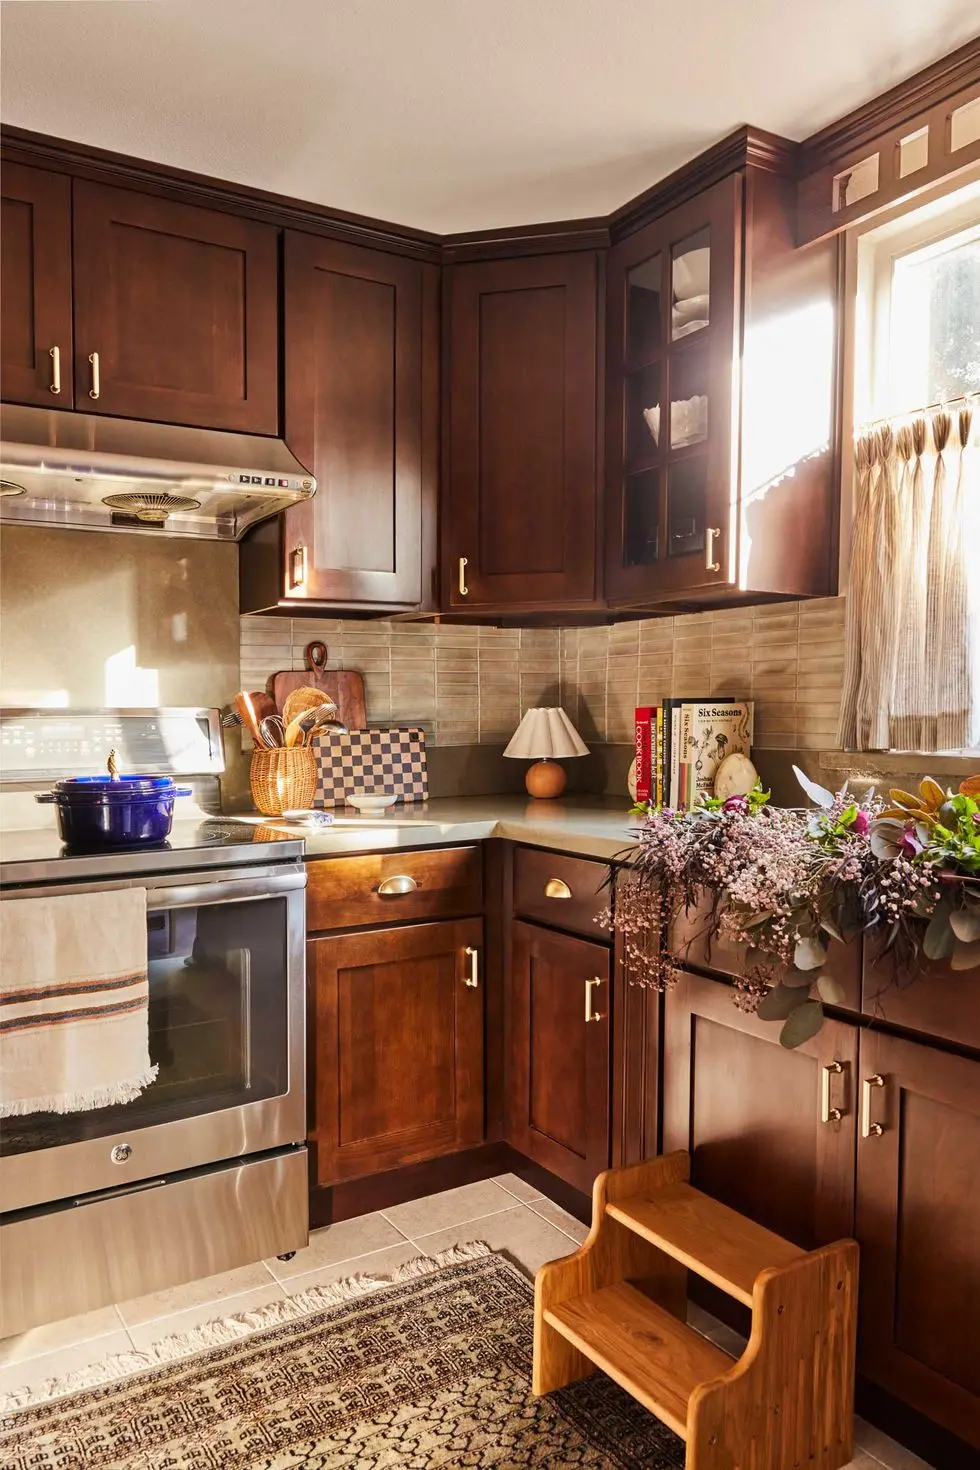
column 73, row 1002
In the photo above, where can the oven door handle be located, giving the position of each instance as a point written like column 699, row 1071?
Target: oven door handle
column 233, row 890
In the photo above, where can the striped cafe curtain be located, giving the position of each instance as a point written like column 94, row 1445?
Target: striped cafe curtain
column 911, row 674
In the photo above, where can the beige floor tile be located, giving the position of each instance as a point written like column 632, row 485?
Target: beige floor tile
column 519, row 1233
column 517, row 1187
column 884, row 1450
column 862, row 1461
column 54, row 1335
column 451, row 1207
column 145, row 1334
column 378, row 1263
column 561, row 1219
column 35, row 1371
column 193, row 1294
column 340, row 1242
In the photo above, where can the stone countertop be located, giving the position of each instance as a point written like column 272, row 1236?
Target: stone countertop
column 595, row 827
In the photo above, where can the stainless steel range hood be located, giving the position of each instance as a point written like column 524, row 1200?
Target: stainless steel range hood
column 102, row 474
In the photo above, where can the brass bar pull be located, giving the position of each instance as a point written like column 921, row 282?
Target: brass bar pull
column 473, row 978
column 55, row 355
column 590, row 985
column 96, row 388
column 869, row 1129
column 297, row 568
column 557, row 888
column 400, row 883
column 710, row 565
column 464, row 562
column 827, row 1113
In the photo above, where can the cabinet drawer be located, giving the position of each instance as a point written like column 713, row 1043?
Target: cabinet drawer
column 566, row 892
column 346, row 893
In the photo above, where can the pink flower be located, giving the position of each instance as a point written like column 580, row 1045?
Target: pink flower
column 861, row 823
column 735, row 804
column 909, row 843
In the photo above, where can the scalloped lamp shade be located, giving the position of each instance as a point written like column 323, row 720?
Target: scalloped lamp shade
column 545, row 736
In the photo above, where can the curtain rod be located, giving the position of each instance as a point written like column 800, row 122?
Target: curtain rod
column 914, row 413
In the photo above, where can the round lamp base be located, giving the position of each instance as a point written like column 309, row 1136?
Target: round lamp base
column 545, row 779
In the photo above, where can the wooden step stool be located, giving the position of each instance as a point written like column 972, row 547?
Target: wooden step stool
column 620, row 1304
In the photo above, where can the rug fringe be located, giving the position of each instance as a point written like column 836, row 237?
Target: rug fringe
column 230, row 1329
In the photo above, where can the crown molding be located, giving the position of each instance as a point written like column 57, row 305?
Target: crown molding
column 895, row 108
column 563, row 235
column 100, row 166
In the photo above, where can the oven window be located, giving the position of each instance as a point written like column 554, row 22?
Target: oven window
column 218, row 978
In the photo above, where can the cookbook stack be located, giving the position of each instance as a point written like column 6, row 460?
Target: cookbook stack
column 681, row 743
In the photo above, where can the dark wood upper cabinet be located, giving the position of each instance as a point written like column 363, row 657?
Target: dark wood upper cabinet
column 721, row 394
column 396, row 1028
column 179, row 307
column 35, row 258
column 918, row 1203
column 557, row 1073
column 520, row 494
column 361, row 364
column 751, row 1112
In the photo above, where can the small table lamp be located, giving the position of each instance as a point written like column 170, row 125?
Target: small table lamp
column 544, row 736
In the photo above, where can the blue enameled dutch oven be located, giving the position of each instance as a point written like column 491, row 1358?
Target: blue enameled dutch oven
column 114, row 811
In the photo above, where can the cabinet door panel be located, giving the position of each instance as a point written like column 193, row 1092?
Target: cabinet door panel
column 558, row 1084
column 521, row 494
column 396, row 1046
column 918, row 1203
column 671, row 386
column 35, row 258
column 749, row 1111
column 354, row 414
column 180, row 304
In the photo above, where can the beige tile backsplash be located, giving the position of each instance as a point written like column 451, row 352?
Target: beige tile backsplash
column 472, row 685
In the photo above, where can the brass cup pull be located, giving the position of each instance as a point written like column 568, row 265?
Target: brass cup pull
column 869, row 1129
column 590, row 985
column 297, row 568
column 464, row 562
column 827, row 1113
column 96, row 387
column 399, row 883
column 55, row 355
column 557, row 888
column 710, row 565
column 473, row 978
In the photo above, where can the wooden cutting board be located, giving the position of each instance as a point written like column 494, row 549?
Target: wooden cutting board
column 343, row 686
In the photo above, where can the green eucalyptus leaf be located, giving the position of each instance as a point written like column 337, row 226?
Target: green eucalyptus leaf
column 809, row 954
column 829, row 927
column 804, row 1022
column 965, row 923
column 965, row 956
column 798, row 978
column 780, row 1002
column 937, row 942
column 831, row 990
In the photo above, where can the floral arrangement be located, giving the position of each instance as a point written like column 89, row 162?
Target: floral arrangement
column 785, row 882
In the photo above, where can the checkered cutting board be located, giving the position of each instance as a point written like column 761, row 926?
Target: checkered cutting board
column 389, row 761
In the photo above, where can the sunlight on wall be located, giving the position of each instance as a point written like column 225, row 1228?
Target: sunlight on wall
column 786, row 368
column 129, row 687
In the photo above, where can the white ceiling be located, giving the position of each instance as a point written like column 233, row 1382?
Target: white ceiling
column 453, row 114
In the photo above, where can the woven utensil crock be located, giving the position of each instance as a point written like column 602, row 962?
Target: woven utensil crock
column 283, row 780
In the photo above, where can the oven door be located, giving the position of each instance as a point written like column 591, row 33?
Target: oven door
column 226, row 970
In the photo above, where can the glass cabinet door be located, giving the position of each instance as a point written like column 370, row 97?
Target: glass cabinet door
column 671, row 356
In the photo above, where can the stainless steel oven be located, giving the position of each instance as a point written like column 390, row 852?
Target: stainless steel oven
column 206, row 1169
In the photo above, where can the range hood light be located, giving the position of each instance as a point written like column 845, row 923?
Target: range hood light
column 145, row 506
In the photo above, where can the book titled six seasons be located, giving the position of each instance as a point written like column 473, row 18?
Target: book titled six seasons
column 681, row 743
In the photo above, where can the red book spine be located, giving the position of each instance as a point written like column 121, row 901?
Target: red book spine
column 644, row 717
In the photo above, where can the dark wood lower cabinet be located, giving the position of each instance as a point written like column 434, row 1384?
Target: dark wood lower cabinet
column 396, row 1028
column 918, row 1221
column 751, row 1113
column 557, row 1079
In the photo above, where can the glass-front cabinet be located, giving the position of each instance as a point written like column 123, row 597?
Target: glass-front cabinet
column 673, row 317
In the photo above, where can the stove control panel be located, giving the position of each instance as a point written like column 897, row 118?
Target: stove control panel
column 55, row 744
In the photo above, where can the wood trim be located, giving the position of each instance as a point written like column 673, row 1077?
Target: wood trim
column 82, row 161
column 746, row 147
column 919, row 93
column 540, row 239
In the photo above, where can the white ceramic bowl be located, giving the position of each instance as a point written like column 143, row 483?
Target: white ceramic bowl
column 370, row 801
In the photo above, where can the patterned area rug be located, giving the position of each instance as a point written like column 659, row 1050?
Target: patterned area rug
column 429, row 1369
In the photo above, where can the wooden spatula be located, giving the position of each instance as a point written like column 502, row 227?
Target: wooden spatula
column 343, row 686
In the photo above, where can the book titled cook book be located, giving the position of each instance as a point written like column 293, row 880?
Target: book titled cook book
column 681, row 743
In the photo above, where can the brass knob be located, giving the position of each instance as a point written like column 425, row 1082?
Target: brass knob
column 399, row 883
column 557, row 888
